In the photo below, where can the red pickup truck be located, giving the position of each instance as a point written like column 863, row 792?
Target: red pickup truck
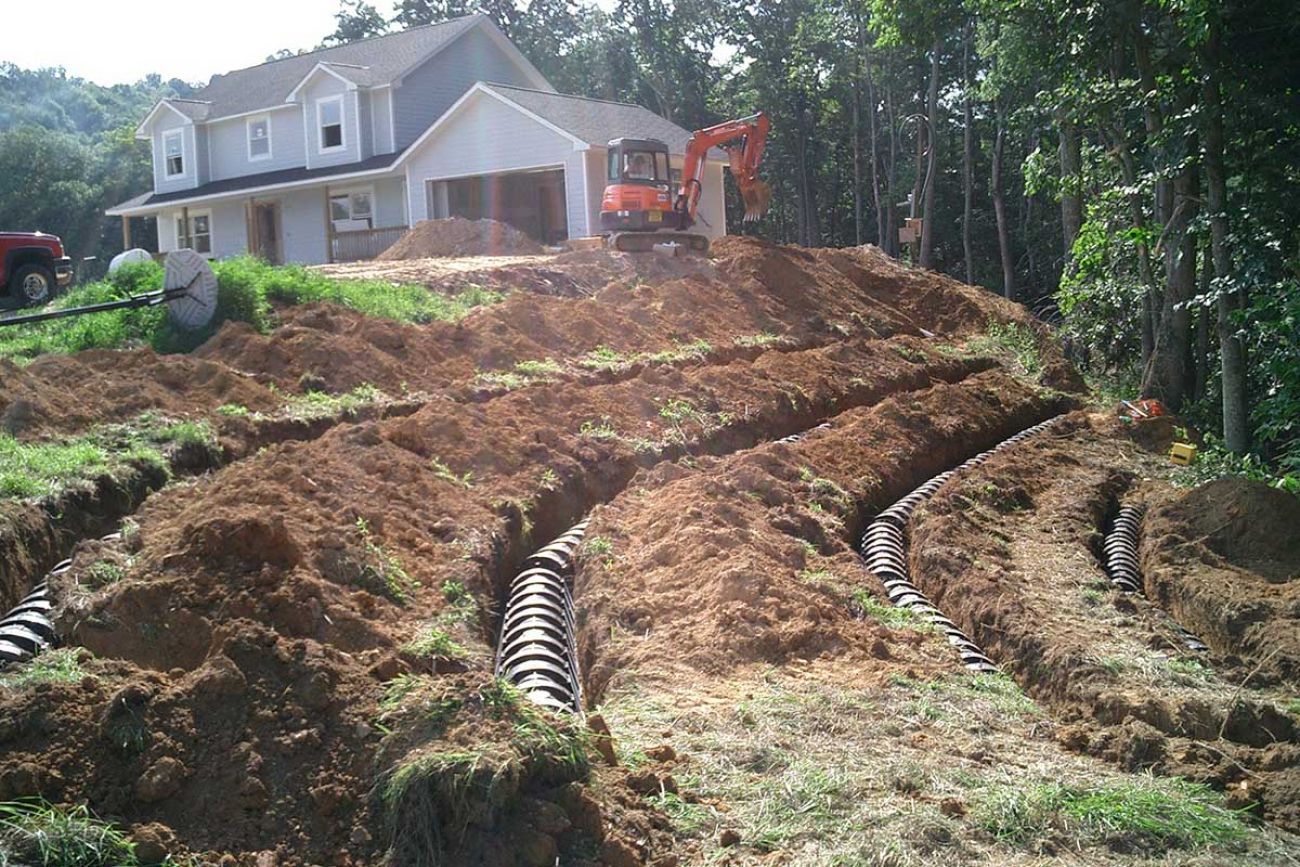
column 32, row 267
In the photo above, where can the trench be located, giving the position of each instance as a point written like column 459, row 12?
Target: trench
column 884, row 550
column 1119, row 557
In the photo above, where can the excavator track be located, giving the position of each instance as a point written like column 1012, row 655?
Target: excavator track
column 645, row 242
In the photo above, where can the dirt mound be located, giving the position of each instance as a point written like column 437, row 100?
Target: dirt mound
column 1225, row 559
column 460, row 237
column 67, row 393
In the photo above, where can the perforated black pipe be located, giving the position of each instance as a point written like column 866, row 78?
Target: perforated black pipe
column 1120, row 557
column 884, row 549
column 27, row 630
column 537, row 651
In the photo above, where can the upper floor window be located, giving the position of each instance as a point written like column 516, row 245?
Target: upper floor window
column 259, row 137
column 173, row 153
column 329, row 114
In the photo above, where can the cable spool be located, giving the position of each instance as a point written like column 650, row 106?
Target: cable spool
column 190, row 289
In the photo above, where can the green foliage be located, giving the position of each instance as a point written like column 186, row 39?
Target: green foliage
column 382, row 572
column 433, row 643
column 34, row 832
column 52, row 666
column 1012, row 339
column 889, row 615
column 1151, row 814
column 444, row 472
column 247, row 289
column 1213, row 461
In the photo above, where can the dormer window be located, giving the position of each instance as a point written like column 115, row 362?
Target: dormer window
column 259, row 138
column 173, row 153
column 329, row 114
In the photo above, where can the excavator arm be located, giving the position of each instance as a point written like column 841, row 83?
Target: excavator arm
column 743, row 140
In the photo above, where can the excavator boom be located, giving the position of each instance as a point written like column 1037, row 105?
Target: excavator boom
column 744, row 156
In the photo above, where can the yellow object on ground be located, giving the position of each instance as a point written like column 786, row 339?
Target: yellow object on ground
column 1182, row 454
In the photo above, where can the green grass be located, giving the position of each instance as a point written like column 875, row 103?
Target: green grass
column 444, row 472
column 434, row 644
column 52, row 666
column 34, row 832
column 888, row 615
column 604, row 358
column 597, row 546
column 1145, row 813
column 381, row 571
column 1013, row 339
column 762, row 339
column 247, row 290
column 318, row 404
column 101, row 573
column 523, row 374
column 46, row 469
column 598, row 430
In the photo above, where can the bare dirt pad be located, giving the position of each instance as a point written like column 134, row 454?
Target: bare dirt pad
column 460, row 237
column 1224, row 558
column 1008, row 551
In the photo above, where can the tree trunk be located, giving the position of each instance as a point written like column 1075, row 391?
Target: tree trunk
column 1201, row 355
column 968, row 157
column 881, row 240
column 1071, row 198
column 857, row 166
column 1232, row 351
column 932, row 139
column 891, row 192
column 1166, row 375
column 1000, row 208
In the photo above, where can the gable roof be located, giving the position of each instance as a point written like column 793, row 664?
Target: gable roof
column 596, row 121
column 371, row 62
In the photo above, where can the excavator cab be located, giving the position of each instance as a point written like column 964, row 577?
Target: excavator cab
column 638, row 196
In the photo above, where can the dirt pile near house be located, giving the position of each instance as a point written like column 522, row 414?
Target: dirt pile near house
column 457, row 236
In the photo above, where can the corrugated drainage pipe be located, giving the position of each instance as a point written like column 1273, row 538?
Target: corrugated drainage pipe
column 27, row 630
column 884, row 548
column 1120, row 557
column 537, row 652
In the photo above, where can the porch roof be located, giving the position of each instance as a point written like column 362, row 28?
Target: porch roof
column 149, row 202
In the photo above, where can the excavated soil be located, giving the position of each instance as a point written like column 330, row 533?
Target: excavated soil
column 457, row 236
column 1009, row 551
column 1225, row 560
column 238, row 655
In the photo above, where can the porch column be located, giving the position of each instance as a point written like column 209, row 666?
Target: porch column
column 329, row 228
column 126, row 232
column 185, row 239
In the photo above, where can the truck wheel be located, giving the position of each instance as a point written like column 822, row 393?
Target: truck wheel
column 32, row 285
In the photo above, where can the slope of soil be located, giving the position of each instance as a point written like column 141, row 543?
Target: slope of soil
column 245, row 682
column 1007, row 551
column 1224, row 558
column 457, row 236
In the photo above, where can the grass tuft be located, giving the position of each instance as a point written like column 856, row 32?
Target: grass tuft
column 38, row 833
column 52, row 666
column 1145, row 813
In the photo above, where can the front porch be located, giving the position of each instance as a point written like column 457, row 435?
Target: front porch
column 314, row 225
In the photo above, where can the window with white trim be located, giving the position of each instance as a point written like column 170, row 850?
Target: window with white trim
column 329, row 116
column 200, row 234
column 174, row 153
column 259, row 138
column 352, row 210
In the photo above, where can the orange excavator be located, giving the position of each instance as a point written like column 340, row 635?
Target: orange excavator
column 639, row 211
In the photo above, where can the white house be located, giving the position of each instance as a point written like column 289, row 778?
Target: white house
column 331, row 155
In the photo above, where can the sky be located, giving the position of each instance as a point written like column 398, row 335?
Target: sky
column 122, row 42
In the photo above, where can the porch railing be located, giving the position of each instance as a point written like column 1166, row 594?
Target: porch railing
column 363, row 244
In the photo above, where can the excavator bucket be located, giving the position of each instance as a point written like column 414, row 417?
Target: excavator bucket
column 757, row 195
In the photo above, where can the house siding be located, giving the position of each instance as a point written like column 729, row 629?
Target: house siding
column 324, row 86
column 228, row 141
column 381, row 113
column 169, row 120
column 489, row 137
column 434, row 87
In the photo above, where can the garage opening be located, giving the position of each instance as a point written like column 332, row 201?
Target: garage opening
column 532, row 201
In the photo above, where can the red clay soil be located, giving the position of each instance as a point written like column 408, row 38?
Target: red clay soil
column 240, row 661
column 1224, row 559
column 64, row 394
column 1008, row 551
column 460, row 237
column 709, row 563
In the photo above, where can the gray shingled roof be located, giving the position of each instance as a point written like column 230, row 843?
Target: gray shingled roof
column 597, row 121
column 377, row 60
column 252, row 182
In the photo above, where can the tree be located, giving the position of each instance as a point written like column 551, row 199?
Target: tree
column 356, row 19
